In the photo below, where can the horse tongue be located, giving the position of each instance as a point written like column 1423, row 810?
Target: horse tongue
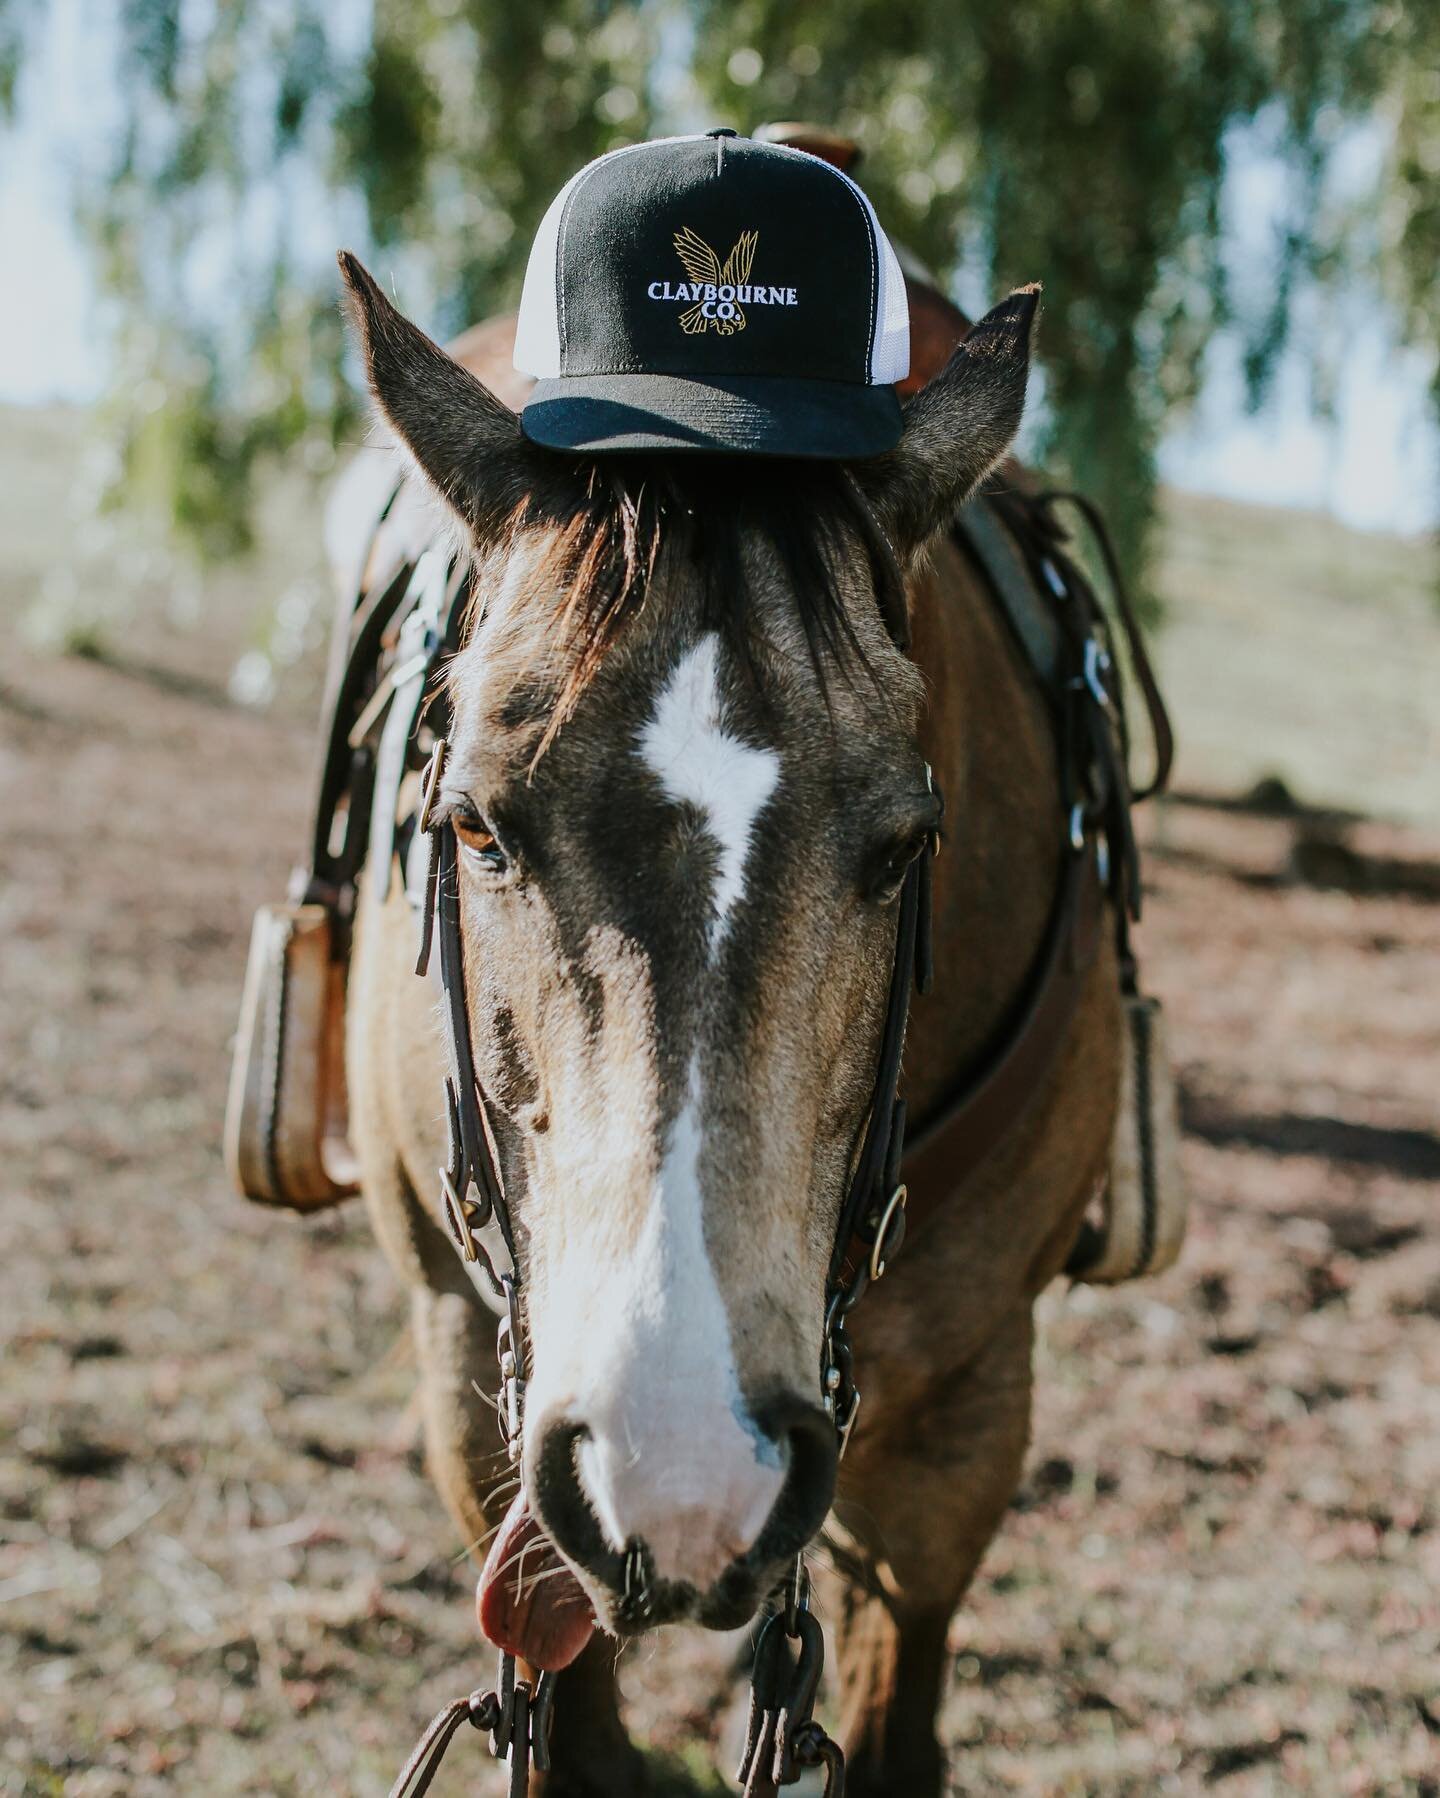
column 528, row 1602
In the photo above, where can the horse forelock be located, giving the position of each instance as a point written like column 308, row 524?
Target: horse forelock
column 738, row 547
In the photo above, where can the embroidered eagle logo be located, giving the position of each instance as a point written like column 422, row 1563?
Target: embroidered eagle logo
column 703, row 267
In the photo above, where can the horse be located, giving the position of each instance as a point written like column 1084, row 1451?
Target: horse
column 689, row 767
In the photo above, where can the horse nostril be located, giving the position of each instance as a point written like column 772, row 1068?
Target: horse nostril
column 804, row 1501
column 562, row 1505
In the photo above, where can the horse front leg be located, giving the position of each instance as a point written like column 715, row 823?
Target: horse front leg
column 921, row 1499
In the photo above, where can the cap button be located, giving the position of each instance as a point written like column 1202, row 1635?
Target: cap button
column 723, row 131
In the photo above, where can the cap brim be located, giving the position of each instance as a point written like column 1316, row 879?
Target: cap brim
column 749, row 415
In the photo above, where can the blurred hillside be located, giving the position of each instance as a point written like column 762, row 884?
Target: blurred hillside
column 1298, row 648
column 1295, row 647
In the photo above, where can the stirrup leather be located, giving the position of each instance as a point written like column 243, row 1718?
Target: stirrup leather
column 1145, row 1203
column 285, row 1120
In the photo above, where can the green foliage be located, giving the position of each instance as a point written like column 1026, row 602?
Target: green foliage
column 16, row 17
column 1409, row 249
column 255, row 149
column 1079, row 142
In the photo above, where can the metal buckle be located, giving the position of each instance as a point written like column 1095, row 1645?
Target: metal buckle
column 1097, row 665
column 458, row 1213
column 837, row 1380
column 844, row 1425
column 797, row 1596
column 434, row 768
column 895, row 1203
column 511, row 1356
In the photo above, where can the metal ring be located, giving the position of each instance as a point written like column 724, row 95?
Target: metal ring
column 432, row 782
column 896, row 1203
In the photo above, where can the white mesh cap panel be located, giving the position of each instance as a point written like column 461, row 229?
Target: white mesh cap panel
column 890, row 358
column 537, row 330
column 890, row 352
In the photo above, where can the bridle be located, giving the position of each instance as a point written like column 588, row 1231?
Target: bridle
column 473, row 1198
column 1076, row 667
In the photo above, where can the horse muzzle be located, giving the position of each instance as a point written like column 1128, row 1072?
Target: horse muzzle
column 662, row 1534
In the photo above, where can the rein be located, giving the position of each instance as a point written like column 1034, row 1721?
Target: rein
column 1061, row 629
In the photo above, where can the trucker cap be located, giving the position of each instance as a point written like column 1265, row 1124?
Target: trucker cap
column 713, row 293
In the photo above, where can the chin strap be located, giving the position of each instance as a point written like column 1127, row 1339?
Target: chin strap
column 472, row 1192
column 871, row 1225
column 783, row 1739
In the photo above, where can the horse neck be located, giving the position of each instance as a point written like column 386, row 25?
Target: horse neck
column 989, row 739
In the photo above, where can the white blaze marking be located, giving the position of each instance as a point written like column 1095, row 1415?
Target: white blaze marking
column 677, row 1465
column 698, row 762
column 671, row 1455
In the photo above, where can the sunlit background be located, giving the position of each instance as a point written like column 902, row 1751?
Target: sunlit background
column 1354, row 436
column 1232, row 207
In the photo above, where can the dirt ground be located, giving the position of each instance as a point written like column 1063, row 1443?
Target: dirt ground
column 222, row 1569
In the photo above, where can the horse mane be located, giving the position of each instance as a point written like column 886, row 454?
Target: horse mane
column 609, row 528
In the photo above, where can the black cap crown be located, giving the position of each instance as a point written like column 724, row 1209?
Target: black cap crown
column 713, row 293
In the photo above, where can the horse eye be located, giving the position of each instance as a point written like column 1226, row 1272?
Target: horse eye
column 889, row 876
column 478, row 840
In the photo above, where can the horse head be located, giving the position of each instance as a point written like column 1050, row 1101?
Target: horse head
column 686, row 775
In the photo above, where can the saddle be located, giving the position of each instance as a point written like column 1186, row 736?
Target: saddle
column 285, row 1139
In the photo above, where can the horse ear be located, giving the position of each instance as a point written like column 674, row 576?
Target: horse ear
column 957, row 428
column 466, row 442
